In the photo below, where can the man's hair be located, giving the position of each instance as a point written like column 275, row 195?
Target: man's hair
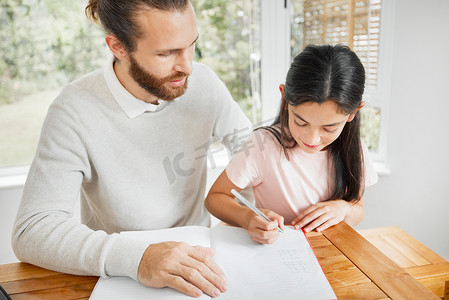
column 118, row 17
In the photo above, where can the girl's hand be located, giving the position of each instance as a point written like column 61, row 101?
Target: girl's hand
column 322, row 215
column 262, row 231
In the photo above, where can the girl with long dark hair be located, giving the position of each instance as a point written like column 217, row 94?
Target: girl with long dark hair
column 309, row 167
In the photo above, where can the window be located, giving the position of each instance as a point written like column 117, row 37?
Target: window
column 230, row 44
column 248, row 43
column 48, row 43
column 357, row 24
column 45, row 44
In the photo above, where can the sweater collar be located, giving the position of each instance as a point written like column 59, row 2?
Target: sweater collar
column 130, row 105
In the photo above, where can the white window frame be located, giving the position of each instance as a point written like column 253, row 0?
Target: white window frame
column 13, row 177
column 381, row 97
column 276, row 54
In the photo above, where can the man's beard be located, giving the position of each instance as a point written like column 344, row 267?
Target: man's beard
column 155, row 85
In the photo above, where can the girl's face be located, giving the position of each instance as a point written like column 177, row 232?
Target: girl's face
column 315, row 126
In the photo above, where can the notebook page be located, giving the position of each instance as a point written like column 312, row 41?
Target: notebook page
column 119, row 288
column 287, row 269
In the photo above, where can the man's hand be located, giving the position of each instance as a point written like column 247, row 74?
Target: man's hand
column 190, row 270
column 262, row 231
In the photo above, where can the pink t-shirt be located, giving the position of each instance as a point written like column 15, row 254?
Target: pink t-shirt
column 286, row 186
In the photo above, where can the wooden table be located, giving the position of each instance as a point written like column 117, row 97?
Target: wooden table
column 355, row 268
column 416, row 259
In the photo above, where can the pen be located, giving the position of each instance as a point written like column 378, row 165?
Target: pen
column 251, row 206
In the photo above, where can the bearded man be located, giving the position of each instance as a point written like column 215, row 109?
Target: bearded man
column 128, row 142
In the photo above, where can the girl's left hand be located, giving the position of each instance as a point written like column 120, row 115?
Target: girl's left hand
column 322, row 215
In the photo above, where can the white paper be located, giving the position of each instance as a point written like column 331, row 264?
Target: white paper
column 287, row 269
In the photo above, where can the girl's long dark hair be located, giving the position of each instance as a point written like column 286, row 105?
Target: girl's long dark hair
column 319, row 74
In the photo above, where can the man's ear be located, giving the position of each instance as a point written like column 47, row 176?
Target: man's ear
column 351, row 117
column 116, row 47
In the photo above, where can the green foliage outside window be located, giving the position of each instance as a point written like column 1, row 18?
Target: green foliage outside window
column 45, row 44
column 228, row 42
column 370, row 126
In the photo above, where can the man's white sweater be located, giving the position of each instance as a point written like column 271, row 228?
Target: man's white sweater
column 132, row 172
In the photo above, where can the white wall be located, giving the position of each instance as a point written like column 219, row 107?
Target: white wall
column 416, row 194
column 9, row 203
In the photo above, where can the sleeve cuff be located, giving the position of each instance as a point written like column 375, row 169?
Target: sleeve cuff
column 124, row 257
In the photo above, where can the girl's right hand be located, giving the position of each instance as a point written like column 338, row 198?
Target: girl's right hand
column 262, row 231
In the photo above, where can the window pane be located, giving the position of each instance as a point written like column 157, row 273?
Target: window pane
column 370, row 127
column 230, row 44
column 45, row 44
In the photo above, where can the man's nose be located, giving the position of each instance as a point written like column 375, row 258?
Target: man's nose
column 184, row 63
